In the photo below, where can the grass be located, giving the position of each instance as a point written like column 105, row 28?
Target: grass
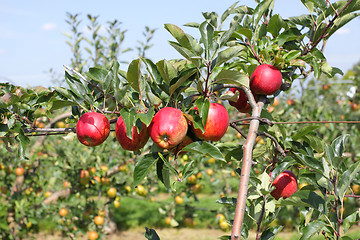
column 140, row 213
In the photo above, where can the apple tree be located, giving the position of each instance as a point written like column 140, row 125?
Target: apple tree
column 259, row 56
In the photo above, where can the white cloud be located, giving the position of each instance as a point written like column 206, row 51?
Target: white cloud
column 48, row 26
column 343, row 31
column 2, row 51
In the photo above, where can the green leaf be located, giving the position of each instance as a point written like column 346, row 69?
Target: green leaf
column 128, row 117
column 184, row 76
column 152, row 70
column 227, row 12
column 350, row 220
column 23, row 143
column 203, row 106
column 293, row 54
column 151, row 234
column 227, row 201
column 227, row 34
column 271, row 233
column 153, row 99
column 309, row 161
column 97, row 74
column 187, row 171
column 315, row 142
column 111, row 76
column 289, row 35
column 179, row 35
column 232, row 77
column 189, row 55
column 58, row 104
column 260, row 11
column 147, row 117
column 167, row 164
column 346, row 178
column 163, row 173
column 133, row 74
column 312, row 228
column 143, row 166
column 330, row 155
column 207, row 34
column 228, row 54
column 341, row 22
column 245, row 32
column 276, row 23
column 302, row 132
column 205, row 149
column 64, row 92
column 166, row 70
column 338, row 145
column 78, row 88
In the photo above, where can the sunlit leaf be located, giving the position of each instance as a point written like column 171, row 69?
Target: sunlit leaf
column 143, row 166
column 205, row 149
column 232, row 77
column 312, row 228
column 133, row 74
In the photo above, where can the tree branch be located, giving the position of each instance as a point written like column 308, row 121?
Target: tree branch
column 245, row 170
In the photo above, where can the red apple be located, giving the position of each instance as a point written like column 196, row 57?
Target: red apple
column 216, row 125
column 285, row 185
column 241, row 104
column 168, row 127
column 266, row 80
column 92, row 128
column 137, row 141
column 354, row 106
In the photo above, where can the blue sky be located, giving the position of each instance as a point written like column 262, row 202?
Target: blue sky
column 32, row 39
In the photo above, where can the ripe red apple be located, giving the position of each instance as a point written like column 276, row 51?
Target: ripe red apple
column 285, row 185
column 216, row 125
column 241, row 104
column 354, row 106
column 168, row 127
column 92, row 128
column 137, row 141
column 266, row 80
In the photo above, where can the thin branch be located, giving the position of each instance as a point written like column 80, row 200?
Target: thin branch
column 233, row 125
column 245, row 170
column 352, row 195
column 328, row 26
column 260, row 218
column 277, row 145
column 262, row 120
column 308, row 122
column 49, row 130
column 250, row 96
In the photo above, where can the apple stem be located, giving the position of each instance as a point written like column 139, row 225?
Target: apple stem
column 246, row 167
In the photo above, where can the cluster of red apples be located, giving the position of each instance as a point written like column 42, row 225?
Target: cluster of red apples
column 168, row 129
column 266, row 80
